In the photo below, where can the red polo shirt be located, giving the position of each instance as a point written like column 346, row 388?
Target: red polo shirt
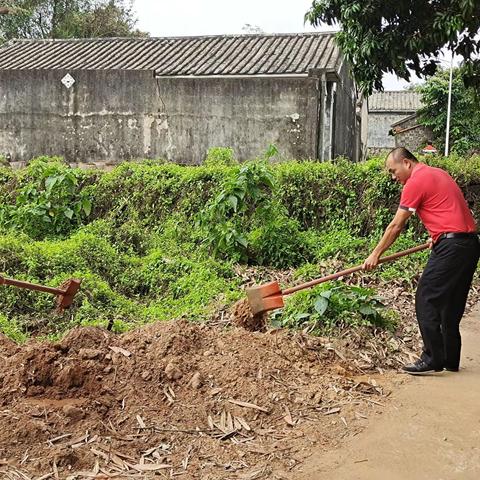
column 437, row 199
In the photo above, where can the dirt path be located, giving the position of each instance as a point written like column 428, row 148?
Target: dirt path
column 431, row 430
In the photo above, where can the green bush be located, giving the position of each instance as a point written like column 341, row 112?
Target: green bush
column 329, row 306
column 164, row 241
column 49, row 199
column 220, row 157
column 12, row 330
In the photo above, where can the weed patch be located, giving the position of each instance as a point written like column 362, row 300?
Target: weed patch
column 156, row 241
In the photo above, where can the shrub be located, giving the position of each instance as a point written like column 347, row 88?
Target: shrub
column 49, row 201
column 143, row 255
column 220, row 157
column 245, row 222
column 331, row 306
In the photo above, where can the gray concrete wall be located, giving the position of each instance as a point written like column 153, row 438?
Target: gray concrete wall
column 246, row 114
column 107, row 116
column 379, row 124
column 97, row 120
column 362, row 112
column 346, row 130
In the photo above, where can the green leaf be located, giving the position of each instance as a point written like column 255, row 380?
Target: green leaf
column 233, row 201
column 50, row 182
column 321, row 304
column 367, row 310
column 242, row 241
column 302, row 316
column 86, row 207
column 68, row 213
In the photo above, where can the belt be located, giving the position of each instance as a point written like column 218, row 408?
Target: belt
column 458, row 235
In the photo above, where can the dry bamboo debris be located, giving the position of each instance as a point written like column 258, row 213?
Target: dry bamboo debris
column 150, row 461
column 51, row 441
column 288, row 418
column 74, row 442
column 13, row 473
column 249, row 405
column 227, row 425
column 121, row 351
column 141, row 422
column 8, row 413
column 263, row 472
column 169, row 394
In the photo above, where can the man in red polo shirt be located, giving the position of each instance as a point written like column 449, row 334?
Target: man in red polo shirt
column 443, row 287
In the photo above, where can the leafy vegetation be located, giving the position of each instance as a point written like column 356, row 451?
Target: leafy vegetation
column 157, row 241
column 220, row 157
column 67, row 19
column 245, row 221
column 49, row 200
column 326, row 307
column 398, row 35
column 465, row 114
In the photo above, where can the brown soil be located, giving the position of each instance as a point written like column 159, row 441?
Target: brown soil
column 197, row 401
column 176, row 398
column 242, row 316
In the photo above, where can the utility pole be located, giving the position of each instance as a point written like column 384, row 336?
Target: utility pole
column 449, row 108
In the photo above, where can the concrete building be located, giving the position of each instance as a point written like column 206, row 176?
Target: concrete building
column 107, row 100
column 384, row 110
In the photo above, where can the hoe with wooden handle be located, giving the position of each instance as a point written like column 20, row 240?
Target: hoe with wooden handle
column 64, row 293
column 263, row 298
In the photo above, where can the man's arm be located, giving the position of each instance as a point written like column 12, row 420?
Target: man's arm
column 390, row 235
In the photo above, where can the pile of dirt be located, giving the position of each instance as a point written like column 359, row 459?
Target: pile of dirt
column 176, row 398
column 198, row 401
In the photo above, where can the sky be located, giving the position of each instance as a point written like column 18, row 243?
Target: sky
column 164, row 18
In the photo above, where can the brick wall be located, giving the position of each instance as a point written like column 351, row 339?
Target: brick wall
column 411, row 135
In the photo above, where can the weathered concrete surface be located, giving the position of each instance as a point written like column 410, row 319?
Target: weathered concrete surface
column 379, row 124
column 346, row 133
column 110, row 116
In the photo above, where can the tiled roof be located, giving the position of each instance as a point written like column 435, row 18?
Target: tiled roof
column 400, row 101
column 173, row 56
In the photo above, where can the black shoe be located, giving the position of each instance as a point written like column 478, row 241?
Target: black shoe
column 452, row 369
column 420, row 368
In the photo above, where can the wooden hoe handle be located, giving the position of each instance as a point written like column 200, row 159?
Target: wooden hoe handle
column 333, row 276
column 30, row 286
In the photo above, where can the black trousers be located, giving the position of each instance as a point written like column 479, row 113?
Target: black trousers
column 441, row 297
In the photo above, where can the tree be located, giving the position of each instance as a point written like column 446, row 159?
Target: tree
column 398, row 35
column 110, row 20
column 252, row 29
column 69, row 19
column 465, row 115
column 7, row 9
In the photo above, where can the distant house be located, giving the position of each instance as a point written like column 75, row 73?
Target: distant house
column 411, row 134
column 106, row 100
column 386, row 109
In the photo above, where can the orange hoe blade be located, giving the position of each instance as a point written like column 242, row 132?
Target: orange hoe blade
column 263, row 298
column 64, row 293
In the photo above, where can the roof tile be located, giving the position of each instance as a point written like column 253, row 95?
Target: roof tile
column 398, row 101
column 174, row 56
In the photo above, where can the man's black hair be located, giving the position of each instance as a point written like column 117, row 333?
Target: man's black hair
column 400, row 153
